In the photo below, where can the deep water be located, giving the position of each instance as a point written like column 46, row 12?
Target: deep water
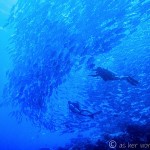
column 50, row 97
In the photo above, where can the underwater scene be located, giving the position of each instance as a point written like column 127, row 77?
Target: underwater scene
column 74, row 74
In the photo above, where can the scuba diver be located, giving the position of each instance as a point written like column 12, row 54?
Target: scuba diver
column 107, row 75
column 75, row 108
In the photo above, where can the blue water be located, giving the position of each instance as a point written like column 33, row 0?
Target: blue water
column 49, row 49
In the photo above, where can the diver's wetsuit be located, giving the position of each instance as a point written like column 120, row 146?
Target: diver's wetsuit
column 107, row 75
column 75, row 108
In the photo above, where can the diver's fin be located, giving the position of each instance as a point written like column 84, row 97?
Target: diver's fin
column 132, row 81
column 96, row 113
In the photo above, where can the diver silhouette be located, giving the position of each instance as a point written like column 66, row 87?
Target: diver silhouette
column 107, row 75
column 75, row 108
